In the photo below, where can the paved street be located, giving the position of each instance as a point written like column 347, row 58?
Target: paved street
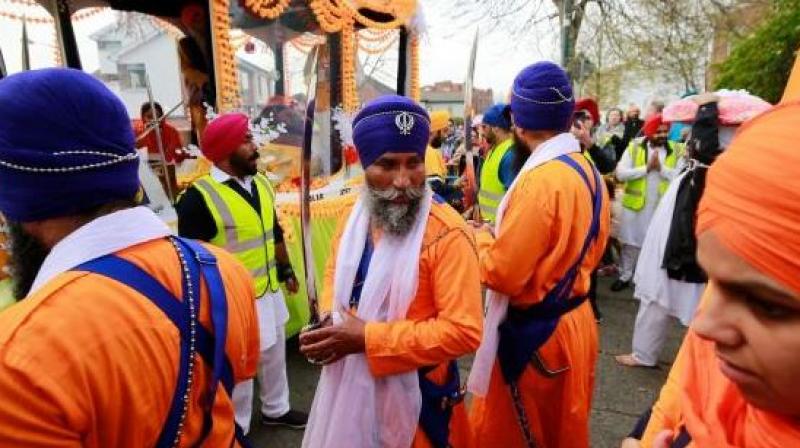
column 621, row 394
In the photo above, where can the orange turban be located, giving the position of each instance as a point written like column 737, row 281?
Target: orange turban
column 651, row 125
column 752, row 196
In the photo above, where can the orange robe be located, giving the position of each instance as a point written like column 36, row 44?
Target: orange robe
column 88, row 362
column 444, row 321
column 544, row 227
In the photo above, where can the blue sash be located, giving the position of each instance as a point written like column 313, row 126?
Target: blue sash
column 437, row 405
column 525, row 330
column 202, row 265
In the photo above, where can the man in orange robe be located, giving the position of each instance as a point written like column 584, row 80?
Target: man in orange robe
column 534, row 373
column 734, row 383
column 403, row 291
column 88, row 359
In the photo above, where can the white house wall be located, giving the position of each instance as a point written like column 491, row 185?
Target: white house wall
column 160, row 56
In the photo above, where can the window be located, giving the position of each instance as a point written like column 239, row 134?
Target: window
column 109, row 45
column 132, row 76
column 245, row 86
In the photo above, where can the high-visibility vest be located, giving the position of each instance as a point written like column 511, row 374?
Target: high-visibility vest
column 634, row 197
column 492, row 189
column 434, row 164
column 242, row 231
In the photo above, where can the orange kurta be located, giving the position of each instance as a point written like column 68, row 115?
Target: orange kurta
column 88, row 362
column 444, row 321
column 544, row 227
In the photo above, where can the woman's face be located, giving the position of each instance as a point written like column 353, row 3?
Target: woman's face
column 614, row 117
column 754, row 323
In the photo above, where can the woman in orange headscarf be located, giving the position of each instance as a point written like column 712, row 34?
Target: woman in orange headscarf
column 734, row 383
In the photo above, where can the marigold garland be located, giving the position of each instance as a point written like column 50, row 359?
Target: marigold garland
column 224, row 62
column 348, row 46
column 267, row 9
column 414, row 90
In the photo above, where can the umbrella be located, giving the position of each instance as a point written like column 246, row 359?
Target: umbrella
column 735, row 107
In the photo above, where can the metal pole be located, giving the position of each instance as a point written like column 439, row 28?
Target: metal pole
column 159, row 141
column 65, row 33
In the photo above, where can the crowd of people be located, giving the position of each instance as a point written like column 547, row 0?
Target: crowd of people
column 128, row 335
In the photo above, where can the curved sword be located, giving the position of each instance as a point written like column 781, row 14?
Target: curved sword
column 310, row 74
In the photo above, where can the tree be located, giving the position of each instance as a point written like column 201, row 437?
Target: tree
column 762, row 61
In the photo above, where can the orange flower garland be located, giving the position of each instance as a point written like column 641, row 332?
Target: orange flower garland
column 267, row 9
column 224, row 62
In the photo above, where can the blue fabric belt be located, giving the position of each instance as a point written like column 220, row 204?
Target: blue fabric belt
column 525, row 331
column 202, row 265
column 437, row 405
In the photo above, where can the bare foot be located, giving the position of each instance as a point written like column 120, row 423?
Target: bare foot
column 629, row 361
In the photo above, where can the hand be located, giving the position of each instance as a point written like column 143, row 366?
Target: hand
column 582, row 134
column 654, row 164
column 292, row 285
column 332, row 343
column 664, row 439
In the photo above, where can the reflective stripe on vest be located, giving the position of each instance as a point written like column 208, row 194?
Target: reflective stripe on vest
column 634, row 196
column 492, row 189
column 243, row 232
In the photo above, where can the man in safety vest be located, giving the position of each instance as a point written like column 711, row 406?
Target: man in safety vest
column 233, row 207
column 497, row 172
column 114, row 342
column 646, row 167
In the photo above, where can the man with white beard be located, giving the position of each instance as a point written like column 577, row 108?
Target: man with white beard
column 401, row 300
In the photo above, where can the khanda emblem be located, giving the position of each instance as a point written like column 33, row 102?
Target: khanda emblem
column 405, row 122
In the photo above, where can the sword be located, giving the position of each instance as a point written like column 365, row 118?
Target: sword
column 468, row 112
column 310, row 74
column 152, row 125
column 159, row 141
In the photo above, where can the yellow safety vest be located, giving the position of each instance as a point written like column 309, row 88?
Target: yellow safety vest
column 434, row 164
column 242, row 231
column 634, row 197
column 492, row 189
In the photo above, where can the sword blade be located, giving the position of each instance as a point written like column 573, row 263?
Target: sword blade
column 468, row 113
column 310, row 73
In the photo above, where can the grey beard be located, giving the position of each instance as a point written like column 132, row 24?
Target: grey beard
column 396, row 219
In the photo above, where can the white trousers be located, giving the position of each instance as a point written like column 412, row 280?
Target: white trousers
column 272, row 381
column 627, row 262
column 650, row 332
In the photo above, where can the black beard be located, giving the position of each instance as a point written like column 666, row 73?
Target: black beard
column 436, row 142
column 26, row 258
column 521, row 153
column 395, row 219
column 242, row 165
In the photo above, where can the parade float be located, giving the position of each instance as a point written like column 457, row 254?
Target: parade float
column 363, row 48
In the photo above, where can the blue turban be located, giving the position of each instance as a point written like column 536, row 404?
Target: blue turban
column 390, row 123
column 66, row 145
column 495, row 116
column 541, row 98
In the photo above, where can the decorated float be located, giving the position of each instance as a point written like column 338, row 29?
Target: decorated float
column 364, row 48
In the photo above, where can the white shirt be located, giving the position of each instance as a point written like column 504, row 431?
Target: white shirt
column 221, row 177
column 634, row 223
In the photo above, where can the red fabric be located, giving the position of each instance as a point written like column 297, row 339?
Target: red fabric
column 651, row 125
column 589, row 105
column 223, row 135
column 170, row 137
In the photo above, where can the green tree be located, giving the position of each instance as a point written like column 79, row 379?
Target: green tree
column 762, row 61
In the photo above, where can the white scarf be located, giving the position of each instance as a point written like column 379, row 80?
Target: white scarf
column 497, row 303
column 352, row 408
column 105, row 235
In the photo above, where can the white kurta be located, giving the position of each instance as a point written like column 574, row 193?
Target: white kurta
column 653, row 284
column 634, row 223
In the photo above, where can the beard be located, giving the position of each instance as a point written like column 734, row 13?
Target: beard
column 26, row 258
column 491, row 138
column 437, row 141
column 521, row 153
column 396, row 219
column 658, row 142
column 244, row 166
